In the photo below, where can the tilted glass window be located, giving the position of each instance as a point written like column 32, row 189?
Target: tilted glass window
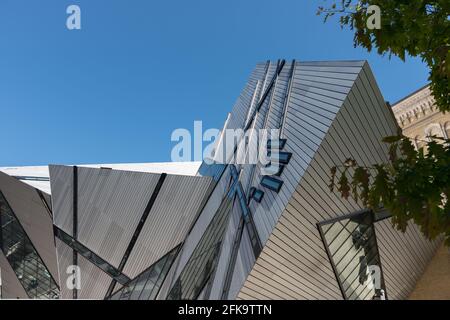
column 258, row 195
column 271, row 183
column 276, row 144
column 202, row 263
column 351, row 245
column 146, row 285
column 255, row 194
column 23, row 257
column 280, row 156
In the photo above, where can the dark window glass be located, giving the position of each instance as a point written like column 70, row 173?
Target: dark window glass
column 251, row 192
column 281, row 157
column 146, row 285
column 214, row 170
column 237, row 187
column 276, row 144
column 23, row 257
column 258, row 195
column 352, row 248
column 271, row 183
column 202, row 262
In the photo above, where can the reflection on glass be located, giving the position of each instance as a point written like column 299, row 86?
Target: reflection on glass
column 352, row 248
column 203, row 260
column 271, row 183
column 23, row 257
column 146, row 285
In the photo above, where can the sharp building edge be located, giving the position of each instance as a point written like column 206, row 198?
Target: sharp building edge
column 222, row 230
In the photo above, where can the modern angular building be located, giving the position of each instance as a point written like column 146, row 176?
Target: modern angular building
column 216, row 230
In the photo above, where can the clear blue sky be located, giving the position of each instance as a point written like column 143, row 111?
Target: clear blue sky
column 114, row 91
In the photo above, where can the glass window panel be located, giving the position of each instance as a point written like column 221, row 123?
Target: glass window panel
column 351, row 245
column 258, row 195
column 146, row 285
column 23, row 257
column 202, row 262
column 276, row 143
column 271, row 183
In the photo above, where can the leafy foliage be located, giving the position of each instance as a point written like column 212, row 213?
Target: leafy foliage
column 413, row 185
column 419, row 28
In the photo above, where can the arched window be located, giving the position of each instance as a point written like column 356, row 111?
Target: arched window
column 433, row 130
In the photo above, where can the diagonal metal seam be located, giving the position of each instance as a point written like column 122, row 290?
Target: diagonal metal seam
column 31, row 178
column 19, row 223
column 373, row 251
column 333, row 266
column 251, row 228
column 164, row 276
column 44, row 202
column 258, row 91
column 383, row 283
column 177, row 250
column 266, row 116
column 260, row 103
column 287, row 95
column 246, row 218
column 271, row 94
column 138, row 230
column 266, row 93
column 205, row 201
column 92, row 257
column 233, row 257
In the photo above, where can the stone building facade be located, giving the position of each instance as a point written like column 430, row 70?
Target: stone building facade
column 419, row 117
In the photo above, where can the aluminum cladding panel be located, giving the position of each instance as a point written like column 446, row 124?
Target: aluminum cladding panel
column 33, row 216
column 293, row 264
column 176, row 206
column 61, row 183
column 110, row 205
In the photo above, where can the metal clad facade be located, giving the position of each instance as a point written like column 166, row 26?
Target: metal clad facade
column 64, row 254
column 110, row 205
column 200, row 225
column 330, row 111
column 61, row 182
column 10, row 285
column 404, row 256
column 293, row 264
column 176, row 206
column 33, row 216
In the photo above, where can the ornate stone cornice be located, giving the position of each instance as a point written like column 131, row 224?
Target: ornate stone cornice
column 417, row 106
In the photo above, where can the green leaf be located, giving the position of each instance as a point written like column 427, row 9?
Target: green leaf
column 392, row 139
column 332, row 179
column 343, row 185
